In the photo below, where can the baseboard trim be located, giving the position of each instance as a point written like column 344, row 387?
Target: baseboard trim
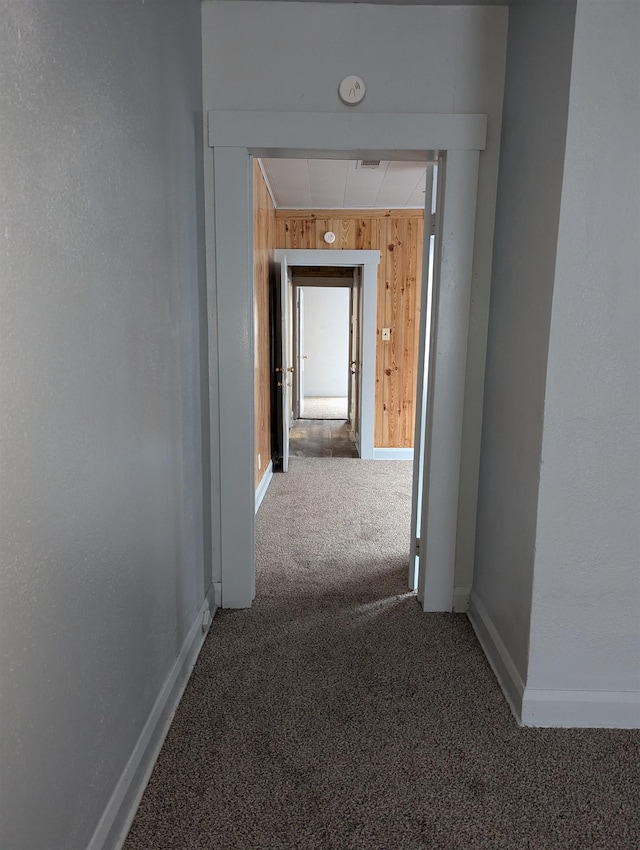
column 116, row 820
column 217, row 593
column 461, row 600
column 581, row 709
column 392, row 454
column 263, row 486
column 497, row 654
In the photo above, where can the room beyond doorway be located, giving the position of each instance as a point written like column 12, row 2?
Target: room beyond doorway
column 325, row 407
column 322, row 324
column 322, row 438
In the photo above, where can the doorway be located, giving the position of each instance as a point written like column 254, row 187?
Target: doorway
column 326, row 345
column 362, row 267
column 322, row 345
column 234, row 139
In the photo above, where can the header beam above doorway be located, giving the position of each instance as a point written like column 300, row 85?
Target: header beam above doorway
column 347, row 136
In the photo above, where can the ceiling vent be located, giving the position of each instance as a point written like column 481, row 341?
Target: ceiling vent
column 369, row 163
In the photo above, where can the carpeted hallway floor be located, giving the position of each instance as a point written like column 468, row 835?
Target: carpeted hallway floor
column 325, row 407
column 335, row 715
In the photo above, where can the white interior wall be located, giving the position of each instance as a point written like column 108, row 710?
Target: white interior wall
column 529, row 190
column 103, row 569
column 453, row 58
column 585, row 626
column 326, row 340
column 556, row 586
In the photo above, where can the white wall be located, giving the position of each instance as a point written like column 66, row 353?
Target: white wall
column 529, row 189
column 557, row 585
column 326, row 340
column 425, row 59
column 103, row 568
column 586, row 593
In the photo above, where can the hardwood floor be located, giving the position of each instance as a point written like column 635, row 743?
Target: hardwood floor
column 321, row 438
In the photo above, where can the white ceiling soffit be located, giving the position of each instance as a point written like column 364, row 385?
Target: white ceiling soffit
column 311, row 184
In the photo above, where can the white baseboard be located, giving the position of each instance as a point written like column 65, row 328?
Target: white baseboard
column 392, row 454
column 263, row 486
column 116, row 820
column 217, row 593
column 461, row 600
column 497, row 655
column 581, row 709
column 551, row 708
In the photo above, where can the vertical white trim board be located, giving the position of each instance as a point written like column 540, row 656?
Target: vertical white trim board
column 263, row 486
column 446, row 365
column 120, row 811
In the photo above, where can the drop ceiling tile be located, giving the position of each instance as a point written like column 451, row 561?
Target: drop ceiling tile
column 337, row 184
column 363, row 185
column 401, row 180
column 289, row 180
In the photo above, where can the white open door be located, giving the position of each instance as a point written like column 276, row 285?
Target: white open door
column 426, row 311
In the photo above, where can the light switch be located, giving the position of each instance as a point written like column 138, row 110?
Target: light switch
column 386, row 334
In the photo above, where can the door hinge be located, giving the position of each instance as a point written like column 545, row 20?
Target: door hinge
column 432, row 225
column 417, row 546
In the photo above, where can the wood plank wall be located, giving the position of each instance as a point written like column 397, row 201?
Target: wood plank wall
column 263, row 245
column 398, row 235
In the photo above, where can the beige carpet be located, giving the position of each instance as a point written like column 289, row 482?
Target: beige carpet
column 330, row 407
column 336, row 715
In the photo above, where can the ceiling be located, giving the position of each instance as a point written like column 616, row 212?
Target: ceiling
column 344, row 184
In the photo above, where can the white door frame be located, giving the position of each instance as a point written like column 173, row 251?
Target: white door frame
column 234, row 137
column 368, row 261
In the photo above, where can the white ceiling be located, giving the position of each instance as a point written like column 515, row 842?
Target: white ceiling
column 341, row 184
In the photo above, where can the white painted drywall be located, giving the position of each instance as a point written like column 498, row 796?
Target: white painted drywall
column 425, row 59
column 529, row 189
column 326, row 340
column 585, row 624
column 101, row 486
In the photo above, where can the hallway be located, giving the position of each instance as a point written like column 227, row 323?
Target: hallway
column 321, row 438
column 336, row 714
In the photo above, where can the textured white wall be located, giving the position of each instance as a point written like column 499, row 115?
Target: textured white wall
column 102, row 567
column 529, row 190
column 326, row 340
column 586, row 592
column 425, row 59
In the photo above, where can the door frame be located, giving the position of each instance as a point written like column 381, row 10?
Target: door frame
column 368, row 262
column 233, row 138
column 299, row 333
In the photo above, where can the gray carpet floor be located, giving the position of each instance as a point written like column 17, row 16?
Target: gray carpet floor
column 325, row 407
column 336, row 715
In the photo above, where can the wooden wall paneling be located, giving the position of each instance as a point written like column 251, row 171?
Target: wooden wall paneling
column 398, row 235
column 418, row 240
column 264, row 238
